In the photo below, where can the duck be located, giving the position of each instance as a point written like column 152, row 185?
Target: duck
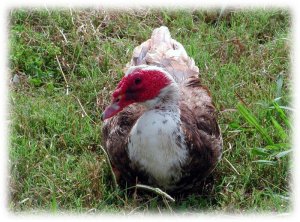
column 160, row 128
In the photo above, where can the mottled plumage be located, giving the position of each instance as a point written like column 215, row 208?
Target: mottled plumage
column 172, row 141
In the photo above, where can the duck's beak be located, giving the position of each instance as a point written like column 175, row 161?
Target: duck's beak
column 111, row 110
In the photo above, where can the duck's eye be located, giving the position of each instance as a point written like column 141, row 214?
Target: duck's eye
column 137, row 81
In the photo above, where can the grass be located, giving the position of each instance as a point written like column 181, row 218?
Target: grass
column 55, row 159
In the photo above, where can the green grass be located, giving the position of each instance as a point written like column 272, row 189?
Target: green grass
column 55, row 159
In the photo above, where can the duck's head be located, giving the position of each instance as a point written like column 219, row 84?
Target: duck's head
column 141, row 84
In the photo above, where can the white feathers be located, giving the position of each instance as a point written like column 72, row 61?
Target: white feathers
column 163, row 51
column 152, row 146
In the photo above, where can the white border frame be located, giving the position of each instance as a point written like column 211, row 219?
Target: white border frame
column 4, row 109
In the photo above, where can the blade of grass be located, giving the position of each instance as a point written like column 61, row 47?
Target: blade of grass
column 279, row 83
column 259, row 151
column 282, row 114
column 234, row 169
column 267, row 162
column 156, row 190
column 284, row 107
column 115, row 184
column 278, row 146
column 251, row 119
column 282, row 154
column 282, row 134
column 54, row 205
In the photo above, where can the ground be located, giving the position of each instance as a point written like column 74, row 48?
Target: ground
column 64, row 64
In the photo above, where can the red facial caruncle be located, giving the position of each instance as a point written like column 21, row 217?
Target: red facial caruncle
column 138, row 86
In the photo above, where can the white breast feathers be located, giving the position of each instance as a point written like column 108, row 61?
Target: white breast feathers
column 156, row 144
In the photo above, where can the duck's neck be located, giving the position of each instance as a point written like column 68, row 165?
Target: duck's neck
column 166, row 100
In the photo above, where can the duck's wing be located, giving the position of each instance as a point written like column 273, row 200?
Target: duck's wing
column 202, row 133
